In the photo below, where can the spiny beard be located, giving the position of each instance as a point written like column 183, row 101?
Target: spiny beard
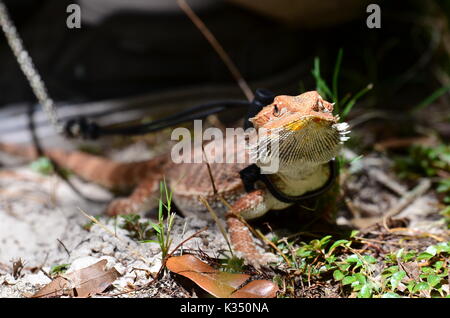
column 314, row 143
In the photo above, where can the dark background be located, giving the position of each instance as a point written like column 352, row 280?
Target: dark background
column 135, row 53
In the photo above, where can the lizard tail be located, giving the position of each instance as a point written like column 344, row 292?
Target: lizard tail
column 105, row 172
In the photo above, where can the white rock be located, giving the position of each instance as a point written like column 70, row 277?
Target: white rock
column 37, row 279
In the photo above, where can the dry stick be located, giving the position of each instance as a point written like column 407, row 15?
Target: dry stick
column 65, row 248
column 409, row 197
column 388, row 182
column 205, row 202
column 216, row 219
column 420, row 233
column 218, row 48
column 211, row 178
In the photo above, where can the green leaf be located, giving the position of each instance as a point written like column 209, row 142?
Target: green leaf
column 424, row 256
column 42, row 165
column 390, row 295
column 348, row 280
column 369, row 259
column 443, row 247
column 344, row 267
column 411, row 285
column 431, row 250
column 392, row 269
column 396, row 278
column 430, row 99
column 399, row 253
column 304, row 253
column 58, row 269
column 156, row 227
column 365, row 292
column 324, row 241
column 438, row 265
column 352, row 259
column 421, row 286
column 361, row 278
column 433, row 280
column 409, row 256
column 149, row 241
column 352, row 102
column 338, row 275
column 337, row 244
column 337, row 68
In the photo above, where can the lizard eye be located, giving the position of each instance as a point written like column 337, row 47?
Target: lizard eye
column 276, row 111
column 319, row 107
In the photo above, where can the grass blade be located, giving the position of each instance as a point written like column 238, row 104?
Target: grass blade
column 434, row 96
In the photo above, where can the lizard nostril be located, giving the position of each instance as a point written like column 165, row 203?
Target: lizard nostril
column 276, row 110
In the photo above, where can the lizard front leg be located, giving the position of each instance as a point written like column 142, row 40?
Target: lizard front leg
column 143, row 198
column 251, row 205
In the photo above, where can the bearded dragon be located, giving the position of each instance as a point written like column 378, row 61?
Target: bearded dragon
column 309, row 136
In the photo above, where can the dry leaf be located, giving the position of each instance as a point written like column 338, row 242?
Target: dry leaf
column 81, row 283
column 257, row 289
column 217, row 283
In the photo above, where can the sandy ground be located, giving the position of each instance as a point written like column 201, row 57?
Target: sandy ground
column 42, row 225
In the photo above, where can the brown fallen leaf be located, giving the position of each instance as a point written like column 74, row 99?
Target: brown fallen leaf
column 82, row 283
column 257, row 289
column 217, row 283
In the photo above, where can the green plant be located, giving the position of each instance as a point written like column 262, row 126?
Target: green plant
column 140, row 230
column 59, row 269
column 433, row 97
column 342, row 106
column 321, row 258
column 43, row 165
column 444, row 188
column 87, row 226
column 429, row 279
column 164, row 226
column 423, row 161
column 359, row 274
column 232, row 264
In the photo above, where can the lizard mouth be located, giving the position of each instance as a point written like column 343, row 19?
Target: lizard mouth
column 306, row 139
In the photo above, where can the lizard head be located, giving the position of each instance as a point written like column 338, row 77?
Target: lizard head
column 304, row 127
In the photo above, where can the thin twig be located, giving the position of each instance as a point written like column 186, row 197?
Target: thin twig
column 216, row 219
column 420, row 233
column 208, row 207
column 213, row 184
column 65, row 248
column 218, row 48
column 409, row 197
